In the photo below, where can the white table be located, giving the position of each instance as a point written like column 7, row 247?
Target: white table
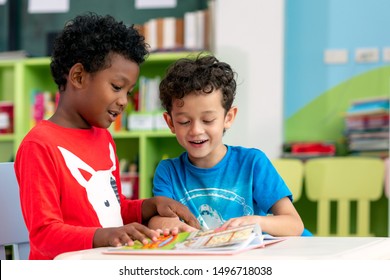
column 293, row 248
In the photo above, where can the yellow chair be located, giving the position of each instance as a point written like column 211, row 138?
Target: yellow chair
column 291, row 170
column 343, row 180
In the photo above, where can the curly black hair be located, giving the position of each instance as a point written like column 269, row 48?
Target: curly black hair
column 201, row 75
column 89, row 39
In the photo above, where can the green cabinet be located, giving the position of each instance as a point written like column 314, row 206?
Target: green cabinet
column 8, row 88
column 19, row 78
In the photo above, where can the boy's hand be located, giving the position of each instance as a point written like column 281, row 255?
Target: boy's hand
column 169, row 225
column 167, row 207
column 241, row 221
column 125, row 235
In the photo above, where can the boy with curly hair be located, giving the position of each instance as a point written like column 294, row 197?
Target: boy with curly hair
column 223, row 185
column 67, row 167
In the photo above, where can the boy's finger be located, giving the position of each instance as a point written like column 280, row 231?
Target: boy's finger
column 185, row 214
column 142, row 233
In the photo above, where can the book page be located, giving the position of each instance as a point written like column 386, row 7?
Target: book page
column 226, row 239
column 217, row 242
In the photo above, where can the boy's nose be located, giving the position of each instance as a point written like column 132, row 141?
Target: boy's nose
column 196, row 128
column 123, row 100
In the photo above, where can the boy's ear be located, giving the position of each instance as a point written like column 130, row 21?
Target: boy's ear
column 230, row 116
column 169, row 122
column 77, row 75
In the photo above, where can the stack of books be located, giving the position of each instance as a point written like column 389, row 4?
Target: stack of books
column 144, row 111
column 43, row 105
column 189, row 33
column 367, row 127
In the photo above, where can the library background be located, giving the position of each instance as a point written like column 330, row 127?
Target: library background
column 301, row 95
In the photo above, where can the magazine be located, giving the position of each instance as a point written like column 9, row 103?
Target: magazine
column 219, row 242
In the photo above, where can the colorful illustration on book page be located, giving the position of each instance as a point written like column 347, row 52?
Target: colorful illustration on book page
column 229, row 237
column 216, row 238
column 162, row 243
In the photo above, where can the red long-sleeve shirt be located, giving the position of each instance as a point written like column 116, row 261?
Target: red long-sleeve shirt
column 63, row 174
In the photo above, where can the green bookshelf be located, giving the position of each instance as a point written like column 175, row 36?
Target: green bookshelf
column 7, row 89
column 18, row 78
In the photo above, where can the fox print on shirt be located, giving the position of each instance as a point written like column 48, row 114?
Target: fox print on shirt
column 101, row 187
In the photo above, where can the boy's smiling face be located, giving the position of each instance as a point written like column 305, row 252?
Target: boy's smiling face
column 107, row 91
column 199, row 121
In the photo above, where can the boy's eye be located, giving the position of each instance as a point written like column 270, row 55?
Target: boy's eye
column 116, row 88
column 184, row 123
column 208, row 121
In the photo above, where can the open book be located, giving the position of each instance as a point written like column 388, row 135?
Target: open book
column 212, row 242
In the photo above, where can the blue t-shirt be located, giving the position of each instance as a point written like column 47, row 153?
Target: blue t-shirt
column 243, row 183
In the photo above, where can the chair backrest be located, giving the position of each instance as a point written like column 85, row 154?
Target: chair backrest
column 13, row 231
column 343, row 180
column 291, row 170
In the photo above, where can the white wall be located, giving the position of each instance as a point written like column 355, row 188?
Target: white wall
column 249, row 35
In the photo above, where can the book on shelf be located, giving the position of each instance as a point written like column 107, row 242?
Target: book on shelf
column 369, row 106
column 149, row 94
column 196, row 30
column 6, row 117
column 164, row 34
column 144, row 110
column 368, row 134
column 170, row 34
column 367, row 121
column 210, row 242
column 150, row 33
column 129, row 178
column 378, row 154
column 140, row 121
column 43, row 105
column 192, row 32
column 369, row 144
column 371, row 100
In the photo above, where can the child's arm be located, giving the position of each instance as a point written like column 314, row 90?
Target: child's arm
column 285, row 220
column 167, row 207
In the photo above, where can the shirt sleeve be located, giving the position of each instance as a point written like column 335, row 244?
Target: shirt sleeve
column 131, row 210
column 269, row 186
column 162, row 182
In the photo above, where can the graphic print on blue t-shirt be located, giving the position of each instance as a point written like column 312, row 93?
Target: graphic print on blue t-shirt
column 210, row 213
